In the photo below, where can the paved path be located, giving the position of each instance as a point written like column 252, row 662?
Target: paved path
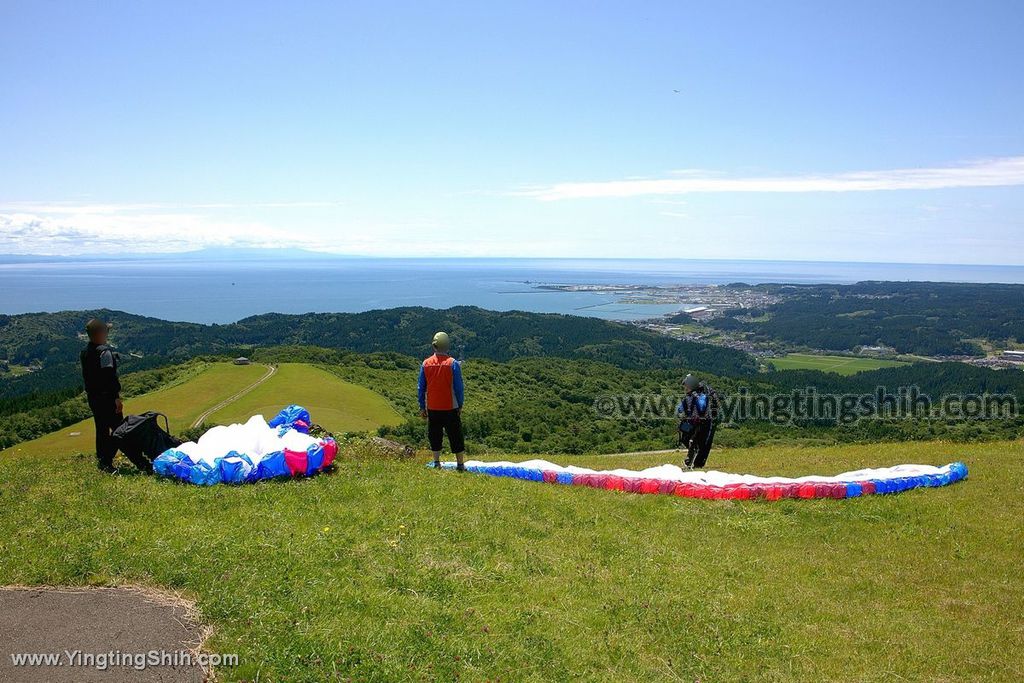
column 271, row 369
column 96, row 622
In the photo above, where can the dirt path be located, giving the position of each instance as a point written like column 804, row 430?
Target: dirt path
column 110, row 629
column 620, row 455
column 271, row 369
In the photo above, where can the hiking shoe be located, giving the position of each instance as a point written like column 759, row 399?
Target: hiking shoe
column 437, row 464
column 460, row 467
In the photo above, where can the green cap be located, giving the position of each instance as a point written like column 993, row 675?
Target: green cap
column 689, row 381
column 441, row 341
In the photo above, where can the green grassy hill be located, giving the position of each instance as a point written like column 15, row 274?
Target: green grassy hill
column 333, row 403
column 337, row 405
column 385, row 570
column 182, row 402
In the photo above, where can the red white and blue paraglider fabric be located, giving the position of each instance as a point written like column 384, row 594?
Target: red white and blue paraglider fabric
column 673, row 480
column 242, row 453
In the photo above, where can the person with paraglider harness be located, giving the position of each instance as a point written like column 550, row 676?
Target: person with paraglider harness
column 139, row 437
column 698, row 413
column 103, row 391
column 441, row 398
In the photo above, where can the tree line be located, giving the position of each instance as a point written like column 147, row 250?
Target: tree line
column 54, row 340
column 549, row 405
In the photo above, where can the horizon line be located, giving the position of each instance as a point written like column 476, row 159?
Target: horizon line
column 319, row 253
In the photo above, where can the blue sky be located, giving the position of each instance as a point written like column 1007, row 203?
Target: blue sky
column 876, row 131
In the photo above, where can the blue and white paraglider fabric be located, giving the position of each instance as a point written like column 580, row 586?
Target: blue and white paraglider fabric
column 673, row 480
column 242, row 453
column 292, row 417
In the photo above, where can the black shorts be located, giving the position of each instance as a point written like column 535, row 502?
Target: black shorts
column 441, row 421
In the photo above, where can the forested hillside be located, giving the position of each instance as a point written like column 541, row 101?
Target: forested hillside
column 53, row 340
column 925, row 318
column 533, row 379
column 548, row 405
column 934, row 379
column 552, row 405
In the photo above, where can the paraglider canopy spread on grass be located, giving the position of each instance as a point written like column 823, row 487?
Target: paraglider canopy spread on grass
column 673, row 480
column 257, row 449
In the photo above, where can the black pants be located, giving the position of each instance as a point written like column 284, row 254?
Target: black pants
column 700, row 444
column 685, row 435
column 107, row 419
column 441, row 421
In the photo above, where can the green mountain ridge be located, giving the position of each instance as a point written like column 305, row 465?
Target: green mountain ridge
column 533, row 378
column 54, row 339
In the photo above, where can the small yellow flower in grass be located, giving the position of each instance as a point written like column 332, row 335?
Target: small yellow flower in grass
column 326, row 529
column 401, row 526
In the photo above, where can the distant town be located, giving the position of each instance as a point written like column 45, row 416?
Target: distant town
column 700, row 304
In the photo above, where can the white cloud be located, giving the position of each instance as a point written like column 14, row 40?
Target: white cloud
column 78, row 208
column 105, row 233
column 73, row 228
column 1005, row 171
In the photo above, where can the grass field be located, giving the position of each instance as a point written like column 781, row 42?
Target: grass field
column 844, row 365
column 182, row 403
column 338, row 405
column 14, row 371
column 334, row 403
column 387, row 571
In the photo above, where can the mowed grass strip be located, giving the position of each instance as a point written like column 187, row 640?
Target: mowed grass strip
column 182, row 403
column 389, row 571
column 844, row 365
column 338, row 405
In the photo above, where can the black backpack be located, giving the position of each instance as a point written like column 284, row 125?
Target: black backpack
column 142, row 433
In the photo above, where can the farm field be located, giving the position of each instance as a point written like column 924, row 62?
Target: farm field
column 844, row 365
column 14, row 371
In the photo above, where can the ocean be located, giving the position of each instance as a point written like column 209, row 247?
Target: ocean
column 220, row 290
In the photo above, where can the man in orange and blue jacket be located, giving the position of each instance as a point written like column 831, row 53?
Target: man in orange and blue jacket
column 441, row 398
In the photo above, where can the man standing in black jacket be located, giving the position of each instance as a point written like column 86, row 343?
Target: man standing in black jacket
column 103, row 389
column 699, row 407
